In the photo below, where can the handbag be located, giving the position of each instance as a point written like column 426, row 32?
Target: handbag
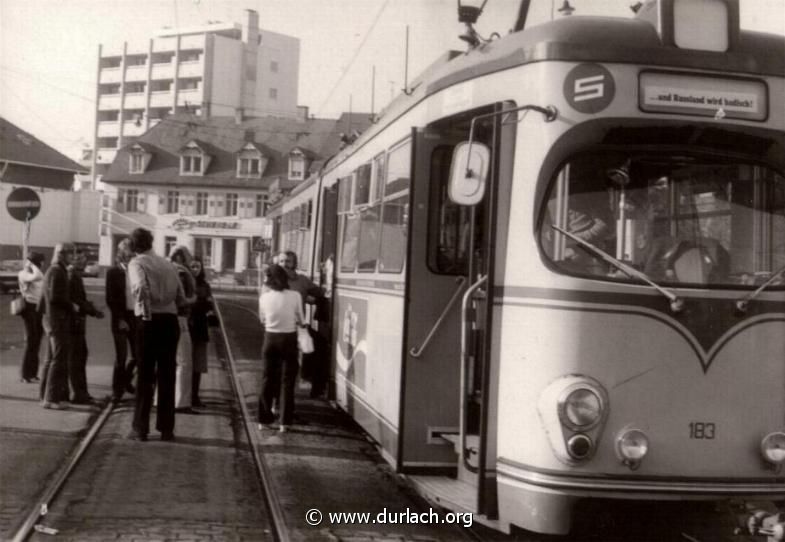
column 304, row 340
column 17, row 305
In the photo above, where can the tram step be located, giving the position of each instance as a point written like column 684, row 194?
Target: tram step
column 472, row 443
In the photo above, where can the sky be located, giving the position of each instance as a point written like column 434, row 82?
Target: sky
column 49, row 48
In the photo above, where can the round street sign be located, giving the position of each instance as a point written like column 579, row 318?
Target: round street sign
column 23, row 204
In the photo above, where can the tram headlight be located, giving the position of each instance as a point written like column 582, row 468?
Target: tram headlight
column 632, row 445
column 773, row 448
column 580, row 408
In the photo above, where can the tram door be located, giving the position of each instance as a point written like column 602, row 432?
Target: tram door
column 447, row 376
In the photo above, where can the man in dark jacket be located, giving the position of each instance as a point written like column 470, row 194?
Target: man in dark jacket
column 121, row 304
column 57, row 310
column 77, row 360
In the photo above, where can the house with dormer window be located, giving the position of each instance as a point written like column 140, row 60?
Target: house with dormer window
column 207, row 183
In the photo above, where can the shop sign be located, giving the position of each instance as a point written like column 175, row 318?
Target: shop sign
column 185, row 224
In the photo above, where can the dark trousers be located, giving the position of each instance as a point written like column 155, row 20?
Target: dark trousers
column 77, row 367
column 124, row 342
column 279, row 376
column 34, row 331
column 54, row 377
column 157, row 349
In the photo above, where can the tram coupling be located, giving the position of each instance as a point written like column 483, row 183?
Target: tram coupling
column 763, row 523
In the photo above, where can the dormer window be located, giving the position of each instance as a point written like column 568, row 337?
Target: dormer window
column 138, row 160
column 297, row 165
column 251, row 162
column 193, row 159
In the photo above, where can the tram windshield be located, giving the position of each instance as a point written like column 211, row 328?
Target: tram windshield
column 680, row 220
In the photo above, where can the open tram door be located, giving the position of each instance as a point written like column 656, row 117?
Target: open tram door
column 447, row 438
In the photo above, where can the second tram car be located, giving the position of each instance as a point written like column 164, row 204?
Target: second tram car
column 556, row 268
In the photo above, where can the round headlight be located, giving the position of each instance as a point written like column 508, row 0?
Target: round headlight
column 579, row 446
column 582, row 408
column 632, row 445
column 773, row 448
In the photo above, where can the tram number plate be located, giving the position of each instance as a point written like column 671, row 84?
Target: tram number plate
column 702, row 430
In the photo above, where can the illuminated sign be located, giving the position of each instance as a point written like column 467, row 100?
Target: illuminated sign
column 703, row 96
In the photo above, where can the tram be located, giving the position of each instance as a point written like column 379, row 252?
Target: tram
column 556, row 266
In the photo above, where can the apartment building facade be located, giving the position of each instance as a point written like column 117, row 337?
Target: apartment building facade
column 206, row 183
column 219, row 69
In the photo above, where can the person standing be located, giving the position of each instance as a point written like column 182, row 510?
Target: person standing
column 31, row 286
column 157, row 292
column 183, row 401
column 199, row 328
column 280, row 312
column 123, row 324
column 58, row 311
column 297, row 281
column 77, row 358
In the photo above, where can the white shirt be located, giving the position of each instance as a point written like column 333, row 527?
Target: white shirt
column 281, row 312
column 31, row 283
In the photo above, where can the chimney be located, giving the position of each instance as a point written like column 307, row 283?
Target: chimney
column 251, row 28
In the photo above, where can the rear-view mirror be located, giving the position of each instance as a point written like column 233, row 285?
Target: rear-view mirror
column 468, row 173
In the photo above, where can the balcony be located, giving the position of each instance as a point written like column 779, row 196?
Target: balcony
column 161, row 98
column 111, row 75
column 131, row 129
column 106, row 155
column 136, row 73
column 135, row 101
column 109, row 128
column 162, row 71
column 164, row 44
column 109, row 102
column 195, row 41
column 192, row 96
column 193, row 68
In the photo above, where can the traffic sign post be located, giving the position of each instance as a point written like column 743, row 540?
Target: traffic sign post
column 23, row 204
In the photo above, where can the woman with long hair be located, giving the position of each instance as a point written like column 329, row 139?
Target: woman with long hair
column 31, row 286
column 181, row 259
column 198, row 327
column 280, row 312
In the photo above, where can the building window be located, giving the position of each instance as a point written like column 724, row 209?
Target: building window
column 189, row 56
column 273, row 94
column 248, row 167
column 261, row 204
column 131, row 198
column 188, row 84
column 191, row 163
column 169, row 244
column 137, row 163
column 231, row 205
column 274, row 66
column 201, row 203
column 203, row 247
column 297, row 167
column 172, row 202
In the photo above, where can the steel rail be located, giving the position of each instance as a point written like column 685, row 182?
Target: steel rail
column 41, row 506
column 280, row 531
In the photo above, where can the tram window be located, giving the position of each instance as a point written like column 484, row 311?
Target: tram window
column 368, row 243
column 398, row 168
column 393, row 234
column 351, row 227
column 345, row 194
column 379, row 176
column 680, row 220
column 362, row 189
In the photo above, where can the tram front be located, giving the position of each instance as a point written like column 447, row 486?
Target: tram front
column 641, row 312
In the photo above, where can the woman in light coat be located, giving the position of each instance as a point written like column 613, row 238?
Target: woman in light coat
column 181, row 259
column 31, row 286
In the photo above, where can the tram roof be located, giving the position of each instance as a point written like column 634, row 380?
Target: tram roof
column 586, row 39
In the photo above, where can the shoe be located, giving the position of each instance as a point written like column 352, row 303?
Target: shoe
column 33, row 380
column 84, row 401
column 133, row 435
column 185, row 410
column 169, row 436
column 52, row 405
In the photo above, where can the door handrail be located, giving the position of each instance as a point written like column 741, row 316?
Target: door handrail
column 417, row 352
column 466, row 297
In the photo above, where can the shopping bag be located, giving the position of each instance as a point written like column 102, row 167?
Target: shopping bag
column 17, row 305
column 304, row 340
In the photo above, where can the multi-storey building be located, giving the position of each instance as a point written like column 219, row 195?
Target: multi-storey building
column 206, row 183
column 220, row 69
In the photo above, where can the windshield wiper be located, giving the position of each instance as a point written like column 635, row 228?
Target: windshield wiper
column 744, row 303
column 677, row 304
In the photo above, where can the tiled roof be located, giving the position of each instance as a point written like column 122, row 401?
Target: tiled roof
column 222, row 138
column 19, row 146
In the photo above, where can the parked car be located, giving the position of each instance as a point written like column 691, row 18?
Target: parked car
column 9, row 271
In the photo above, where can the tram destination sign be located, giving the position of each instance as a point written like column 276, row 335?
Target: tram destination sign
column 716, row 97
column 23, row 204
